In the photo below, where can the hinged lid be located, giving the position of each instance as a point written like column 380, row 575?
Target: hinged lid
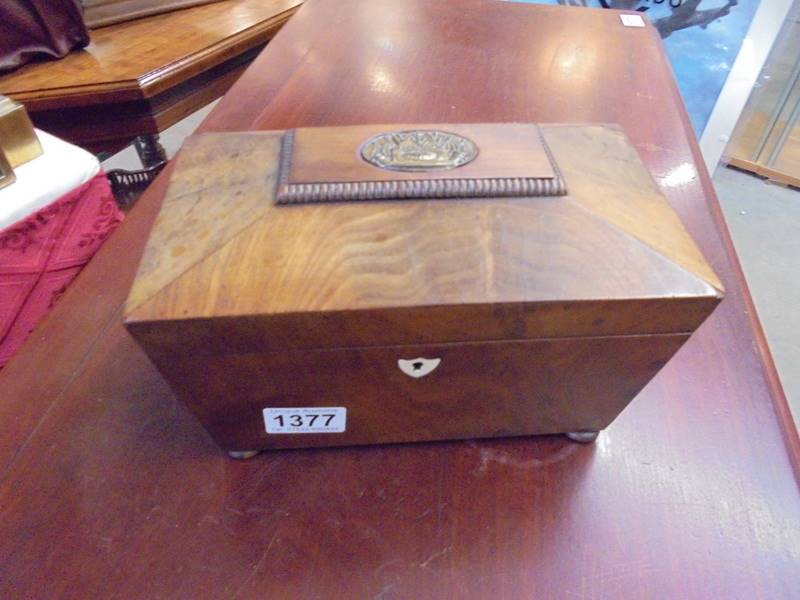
column 227, row 261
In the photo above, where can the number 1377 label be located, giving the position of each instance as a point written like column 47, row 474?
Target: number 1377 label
column 317, row 419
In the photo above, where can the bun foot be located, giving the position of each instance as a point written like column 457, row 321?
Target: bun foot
column 242, row 454
column 583, row 437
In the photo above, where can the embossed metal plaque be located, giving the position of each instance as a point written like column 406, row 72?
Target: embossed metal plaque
column 418, row 150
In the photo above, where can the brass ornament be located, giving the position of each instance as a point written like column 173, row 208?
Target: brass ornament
column 7, row 176
column 18, row 139
column 418, row 150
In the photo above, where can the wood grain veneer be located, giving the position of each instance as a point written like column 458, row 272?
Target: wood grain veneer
column 480, row 390
column 594, row 245
column 692, row 493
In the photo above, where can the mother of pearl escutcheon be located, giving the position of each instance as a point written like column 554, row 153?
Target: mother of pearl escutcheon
column 418, row 367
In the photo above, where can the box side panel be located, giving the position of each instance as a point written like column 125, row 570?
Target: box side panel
column 425, row 325
column 490, row 389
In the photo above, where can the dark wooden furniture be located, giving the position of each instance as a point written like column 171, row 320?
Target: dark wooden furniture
column 110, row 487
column 138, row 78
column 539, row 292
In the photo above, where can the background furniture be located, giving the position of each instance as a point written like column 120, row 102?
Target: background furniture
column 39, row 29
column 116, row 489
column 52, row 221
column 138, row 78
column 766, row 140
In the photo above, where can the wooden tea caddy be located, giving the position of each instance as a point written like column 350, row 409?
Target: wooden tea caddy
column 401, row 283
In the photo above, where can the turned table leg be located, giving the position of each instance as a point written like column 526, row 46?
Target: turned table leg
column 129, row 185
column 150, row 150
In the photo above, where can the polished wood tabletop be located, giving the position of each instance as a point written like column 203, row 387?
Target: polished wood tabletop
column 111, row 489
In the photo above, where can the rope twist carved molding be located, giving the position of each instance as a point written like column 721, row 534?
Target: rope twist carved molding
column 421, row 189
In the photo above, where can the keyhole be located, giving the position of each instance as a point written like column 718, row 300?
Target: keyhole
column 418, row 367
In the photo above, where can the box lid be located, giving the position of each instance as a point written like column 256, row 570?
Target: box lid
column 466, row 253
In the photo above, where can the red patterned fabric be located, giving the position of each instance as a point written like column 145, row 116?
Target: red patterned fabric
column 42, row 254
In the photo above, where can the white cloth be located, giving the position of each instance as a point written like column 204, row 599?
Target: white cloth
column 61, row 168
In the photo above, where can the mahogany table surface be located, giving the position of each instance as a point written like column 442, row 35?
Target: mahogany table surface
column 111, row 489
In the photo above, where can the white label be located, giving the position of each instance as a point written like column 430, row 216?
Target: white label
column 632, row 20
column 310, row 419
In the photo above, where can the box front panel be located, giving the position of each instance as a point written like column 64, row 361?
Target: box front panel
column 414, row 393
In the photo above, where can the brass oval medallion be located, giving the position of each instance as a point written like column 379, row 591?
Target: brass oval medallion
column 418, row 150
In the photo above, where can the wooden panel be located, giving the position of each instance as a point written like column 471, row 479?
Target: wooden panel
column 198, row 224
column 771, row 174
column 613, row 180
column 766, row 140
column 691, row 493
column 478, row 390
column 331, row 154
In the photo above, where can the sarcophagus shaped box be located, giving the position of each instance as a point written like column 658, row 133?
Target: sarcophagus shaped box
column 373, row 284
